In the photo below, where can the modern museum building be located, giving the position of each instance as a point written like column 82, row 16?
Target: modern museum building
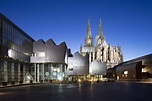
column 16, row 47
column 24, row 60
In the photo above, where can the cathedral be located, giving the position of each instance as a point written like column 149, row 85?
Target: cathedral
column 102, row 52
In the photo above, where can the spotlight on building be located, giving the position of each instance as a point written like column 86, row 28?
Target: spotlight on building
column 60, row 78
column 79, row 80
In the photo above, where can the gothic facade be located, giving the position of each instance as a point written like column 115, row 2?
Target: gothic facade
column 102, row 52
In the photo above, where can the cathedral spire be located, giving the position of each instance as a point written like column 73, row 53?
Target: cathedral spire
column 89, row 38
column 89, row 29
column 100, row 29
column 100, row 38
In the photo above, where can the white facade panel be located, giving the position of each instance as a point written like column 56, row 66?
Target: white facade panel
column 97, row 68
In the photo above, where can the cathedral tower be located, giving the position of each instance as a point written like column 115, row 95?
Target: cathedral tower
column 100, row 38
column 89, row 38
column 101, row 52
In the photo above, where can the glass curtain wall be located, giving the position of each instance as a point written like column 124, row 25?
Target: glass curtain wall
column 16, row 47
column 0, row 37
column 15, row 44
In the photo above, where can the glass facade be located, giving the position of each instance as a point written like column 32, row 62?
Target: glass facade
column 16, row 47
column 48, row 71
column 0, row 37
column 15, row 43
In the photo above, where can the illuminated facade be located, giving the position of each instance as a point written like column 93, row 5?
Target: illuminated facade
column 97, row 68
column 102, row 52
column 78, row 66
column 16, row 47
column 49, row 61
column 22, row 59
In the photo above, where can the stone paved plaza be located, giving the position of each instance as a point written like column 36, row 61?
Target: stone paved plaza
column 104, row 91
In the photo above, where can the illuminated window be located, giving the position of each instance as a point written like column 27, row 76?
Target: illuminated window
column 144, row 70
column 10, row 53
column 125, row 72
column 40, row 54
column 58, row 70
column 54, row 69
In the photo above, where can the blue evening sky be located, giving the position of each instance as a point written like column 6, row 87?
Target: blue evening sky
column 125, row 22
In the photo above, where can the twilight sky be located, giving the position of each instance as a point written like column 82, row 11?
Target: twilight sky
column 127, row 23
